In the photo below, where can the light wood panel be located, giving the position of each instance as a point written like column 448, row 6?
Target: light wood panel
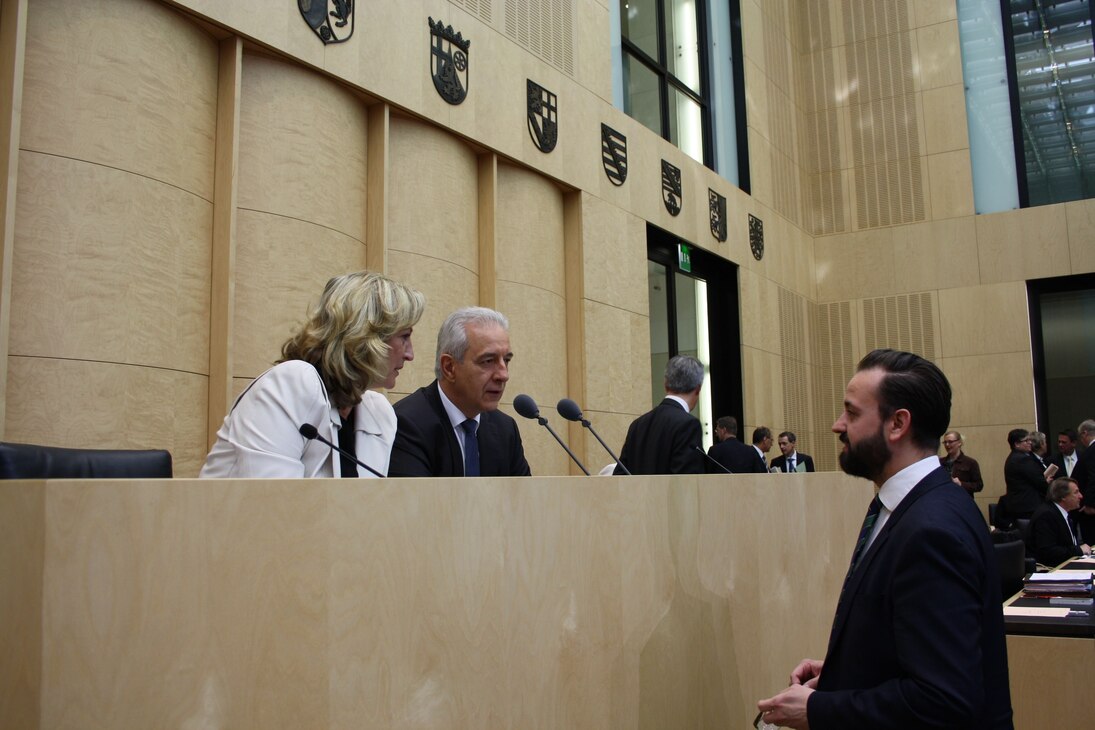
column 1050, row 677
column 13, row 27
column 542, row 602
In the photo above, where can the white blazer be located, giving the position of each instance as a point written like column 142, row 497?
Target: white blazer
column 260, row 436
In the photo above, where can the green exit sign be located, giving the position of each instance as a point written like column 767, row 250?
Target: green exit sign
column 684, row 257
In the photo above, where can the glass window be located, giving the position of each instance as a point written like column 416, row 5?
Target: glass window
column 662, row 49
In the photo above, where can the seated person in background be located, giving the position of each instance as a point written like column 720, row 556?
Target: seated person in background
column 964, row 470
column 357, row 337
column 791, row 460
column 669, row 439
column 1054, row 535
column 1026, row 485
column 736, row 456
column 452, row 427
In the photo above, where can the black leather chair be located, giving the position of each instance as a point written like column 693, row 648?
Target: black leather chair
column 27, row 461
column 1011, row 560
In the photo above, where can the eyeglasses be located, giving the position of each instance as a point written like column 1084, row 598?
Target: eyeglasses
column 952, row 441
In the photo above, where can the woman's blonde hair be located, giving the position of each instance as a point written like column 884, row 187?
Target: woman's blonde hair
column 345, row 336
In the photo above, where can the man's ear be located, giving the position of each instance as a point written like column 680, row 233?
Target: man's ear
column 900, row 425
column 448, row 367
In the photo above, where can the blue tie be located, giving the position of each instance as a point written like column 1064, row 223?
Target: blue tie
column 471, row 448
column 864, row 534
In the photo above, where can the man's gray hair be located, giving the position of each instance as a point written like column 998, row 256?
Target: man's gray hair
column 452, row 338
column 1087, row 426
column 683, row 374
column 1060, row 488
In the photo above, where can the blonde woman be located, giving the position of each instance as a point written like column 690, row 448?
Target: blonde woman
column 358, row 337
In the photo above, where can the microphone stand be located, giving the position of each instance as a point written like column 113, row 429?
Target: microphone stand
column 544, row 422
column 712, row 459
column 577, row 415
column 310, row 432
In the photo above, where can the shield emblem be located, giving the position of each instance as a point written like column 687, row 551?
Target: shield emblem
column 449, row 62
column 671, row 188
column 717, row 204
column 543, row 117
column 756, row 237
column 614, row 154
column 331, row 20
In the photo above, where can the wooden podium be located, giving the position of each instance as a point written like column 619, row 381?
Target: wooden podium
column 548, row 602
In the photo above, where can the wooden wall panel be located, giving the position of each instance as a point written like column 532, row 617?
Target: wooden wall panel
column 301, row 219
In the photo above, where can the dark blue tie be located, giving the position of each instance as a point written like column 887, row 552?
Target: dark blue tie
column 471, row 448
column 864, row 534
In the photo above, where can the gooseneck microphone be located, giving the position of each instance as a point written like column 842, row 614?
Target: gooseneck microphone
column 526, row 406
column 569, row 410
column 712, row 459
column 309, row 432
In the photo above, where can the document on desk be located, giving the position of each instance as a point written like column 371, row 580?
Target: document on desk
column 1060, row 576
column 1037, row 611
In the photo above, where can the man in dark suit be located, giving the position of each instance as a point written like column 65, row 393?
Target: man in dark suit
column 452, row 427
column 1066, row 457
column 1054, row 535
column 668, row 440
column 918, row 636
column 738, row 458
column 1084, row 474
column 790, row 459
column 1024, row 476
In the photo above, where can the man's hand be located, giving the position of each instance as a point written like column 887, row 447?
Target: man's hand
column 788, row 708
column 807, row 672
column 1085, row 549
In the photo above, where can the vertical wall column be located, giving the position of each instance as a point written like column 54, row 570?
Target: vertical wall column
column 378, row 160
column 574, row 271
column 488, row 243
column 13, row 34
column 222, row 293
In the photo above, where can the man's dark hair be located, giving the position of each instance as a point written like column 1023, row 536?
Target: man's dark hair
column 1016, row 435
column 760, row 433
column 728, row 424
column 789, row 436
column 1070, row 433
column 915, row 385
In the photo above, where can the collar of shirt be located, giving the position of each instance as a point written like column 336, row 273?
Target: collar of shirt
column 679, row 400
column 1062, row 510
column 456, row 417
column 897, row 487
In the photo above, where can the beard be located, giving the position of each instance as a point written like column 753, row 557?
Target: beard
column 866, row 458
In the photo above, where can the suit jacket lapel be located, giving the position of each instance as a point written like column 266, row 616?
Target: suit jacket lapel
column 452, row 459
column 922, row 487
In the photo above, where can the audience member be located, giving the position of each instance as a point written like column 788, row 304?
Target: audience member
column 1054, row 536
column 357, row 337
column 1039, row 448
column 918, row 636
column 737, row 457
column 452, row 427
column 1023, row 476
column 964, row 470
column 762, row 442
column 1084, row 474
column 668, row 439
column 791, row 460
column 1066, row 455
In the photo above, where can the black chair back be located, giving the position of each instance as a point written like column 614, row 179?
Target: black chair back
column 27, row 461
column 1011, row 560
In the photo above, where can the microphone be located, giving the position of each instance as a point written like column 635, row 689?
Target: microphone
column 712, row 459
column 569, row 410
column 309, row 432
column 526, row 406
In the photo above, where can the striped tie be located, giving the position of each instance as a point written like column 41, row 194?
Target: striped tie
column 864, row 535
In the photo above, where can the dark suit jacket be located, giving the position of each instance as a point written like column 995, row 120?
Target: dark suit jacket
column 663, row 441
column 739, row 458
column 1026, row 485
column 918, row 637
column 1084, row 474
column 1059, row 460
column 1050, row 539
column 426, row 446
column 800, row 458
